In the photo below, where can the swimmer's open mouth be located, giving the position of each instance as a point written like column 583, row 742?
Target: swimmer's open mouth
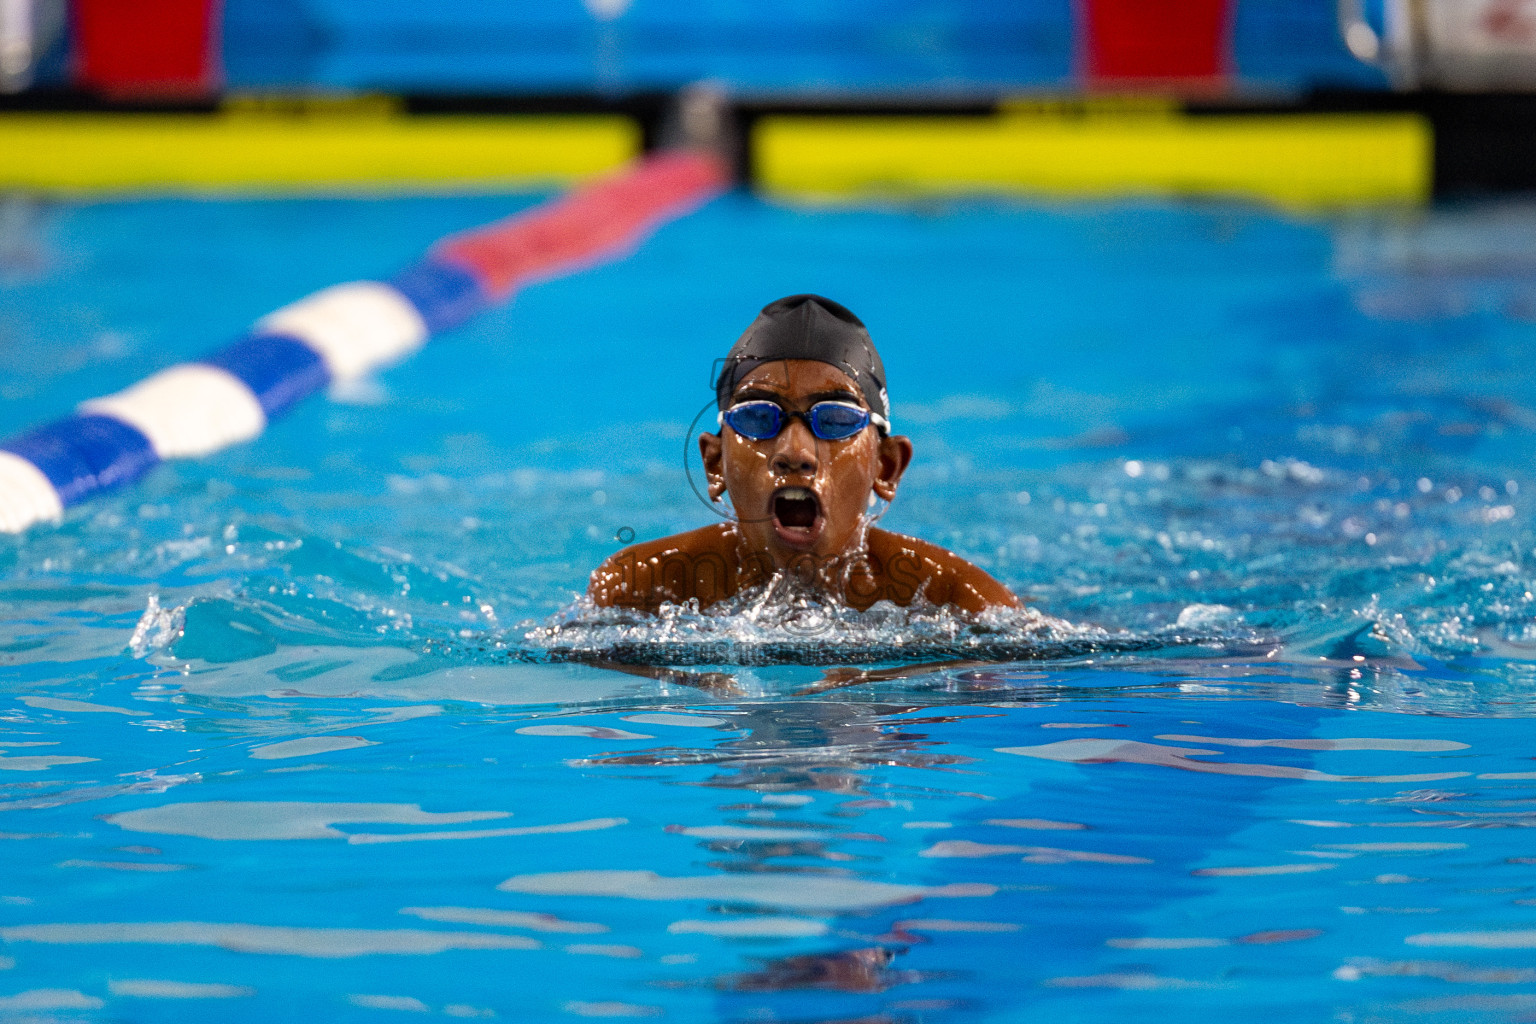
column 796, row 514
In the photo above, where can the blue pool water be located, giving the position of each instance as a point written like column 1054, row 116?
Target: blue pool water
column 312, row 728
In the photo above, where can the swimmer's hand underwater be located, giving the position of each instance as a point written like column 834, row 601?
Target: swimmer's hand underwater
column 804, row 450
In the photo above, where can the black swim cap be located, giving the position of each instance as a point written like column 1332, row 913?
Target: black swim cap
column 808, row 327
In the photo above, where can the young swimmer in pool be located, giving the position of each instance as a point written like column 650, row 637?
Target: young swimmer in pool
column 804, row 450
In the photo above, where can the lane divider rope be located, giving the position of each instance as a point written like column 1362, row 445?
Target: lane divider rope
column 337, row 335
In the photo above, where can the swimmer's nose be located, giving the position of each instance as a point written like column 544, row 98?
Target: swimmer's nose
column 796, row 452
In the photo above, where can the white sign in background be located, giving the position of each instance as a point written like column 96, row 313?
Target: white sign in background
column 1482, row 28
column 1457, row 44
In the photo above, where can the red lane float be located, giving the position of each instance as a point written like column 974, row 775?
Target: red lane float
column 602, row 221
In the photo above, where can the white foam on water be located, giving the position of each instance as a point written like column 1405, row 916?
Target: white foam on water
column 153, row 988
column 1149, row 942
column 258, row 819
column 1037, row 824
column 260, row 938
column 375, row 1002
column 1340, row 743
column 614, row 950
column 504, row 919
column 682, row 721
column 72, row 639
column 585, row 825
column 790, row 891
column 581, row 1008
column 1130, row 981
column 1258, row 870
column 787, row 614
column 39, row 762
column 966, row 848
column 157, row 628
column 49, row 999
column 1514, row 939
column 362, row 672
column 407, row 713
column 1207, row 617
column 752, row 927
column 1104, row 751
column 77, row 706
column 747, row 832
column 308, row 746
column 1393, row 847
column 1032, row 854
column 942, row 924
column 1368, row 967
column 465, row 1010
column 595, row 732
column 151, row 867
column 1054, row 855
column 82, row 794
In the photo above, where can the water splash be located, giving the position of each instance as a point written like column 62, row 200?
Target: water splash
column 157, row 628
column 786, row 622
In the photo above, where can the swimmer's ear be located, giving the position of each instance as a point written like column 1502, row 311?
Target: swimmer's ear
column 713, row 454
column 895, row 457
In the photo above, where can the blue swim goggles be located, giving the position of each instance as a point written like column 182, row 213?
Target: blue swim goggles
column 829, row 421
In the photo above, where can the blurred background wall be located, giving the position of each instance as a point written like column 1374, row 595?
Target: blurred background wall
column 764, row 47
column 769, row 46
column 1300, row 101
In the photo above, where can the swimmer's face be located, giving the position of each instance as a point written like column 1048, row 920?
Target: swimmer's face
column 795, row 494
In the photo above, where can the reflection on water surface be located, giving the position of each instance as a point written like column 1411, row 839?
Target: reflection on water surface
column 318, row 725
column 878, row 849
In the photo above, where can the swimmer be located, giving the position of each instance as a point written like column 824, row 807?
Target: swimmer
column 804, row 451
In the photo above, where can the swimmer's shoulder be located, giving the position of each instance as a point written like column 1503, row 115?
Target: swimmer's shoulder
column 944, row 577
column 697, row 564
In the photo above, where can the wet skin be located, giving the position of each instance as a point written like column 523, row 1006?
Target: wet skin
column 824, row 541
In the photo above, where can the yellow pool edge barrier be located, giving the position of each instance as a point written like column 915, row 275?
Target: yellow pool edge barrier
column 1295, row 160
column 258, row 151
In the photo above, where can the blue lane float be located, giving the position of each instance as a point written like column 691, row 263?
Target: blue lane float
column 336, row 335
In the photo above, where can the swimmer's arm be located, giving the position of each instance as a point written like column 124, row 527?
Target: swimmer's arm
column 946, row 577
column 719, row 683
column 608, row 586
column 971, row 589
column 956, row 582
column 669, row 570
column 843, row 676
column 629, row 579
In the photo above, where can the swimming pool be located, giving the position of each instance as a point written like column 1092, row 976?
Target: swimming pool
column 277, row 743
